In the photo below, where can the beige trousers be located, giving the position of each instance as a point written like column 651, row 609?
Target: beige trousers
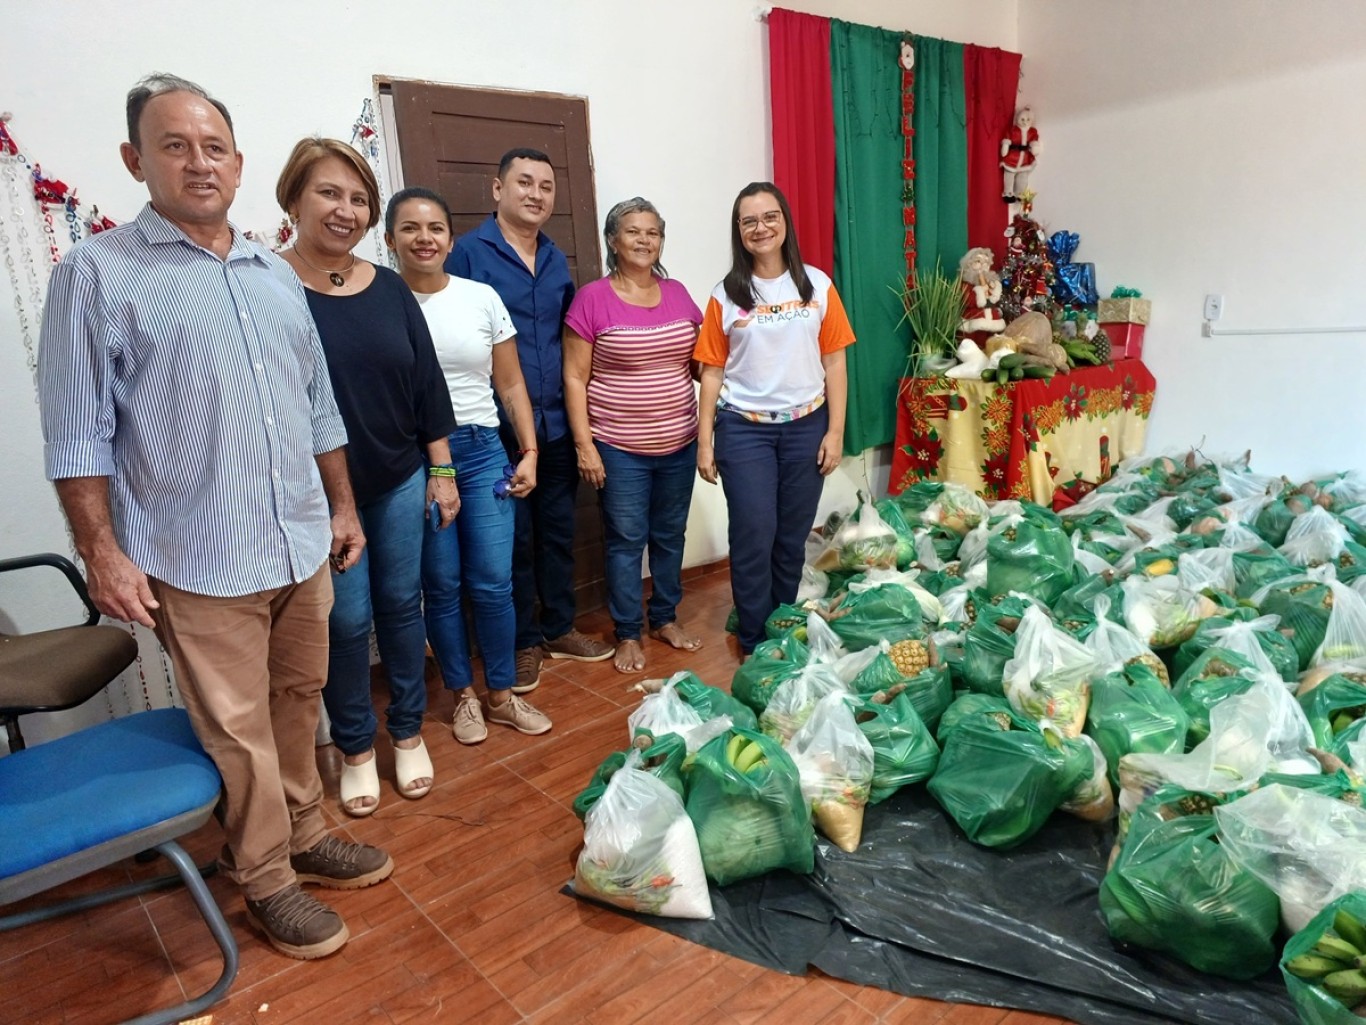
column 251, row 671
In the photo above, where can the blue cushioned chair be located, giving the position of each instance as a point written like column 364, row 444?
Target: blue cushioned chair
column 88, row 800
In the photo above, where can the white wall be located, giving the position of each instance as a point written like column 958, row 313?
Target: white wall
column 1217, row 147
column 678, row 104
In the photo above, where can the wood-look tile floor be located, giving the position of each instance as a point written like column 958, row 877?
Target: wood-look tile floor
column 472, row 927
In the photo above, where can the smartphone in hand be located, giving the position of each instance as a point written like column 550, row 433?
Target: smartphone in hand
column 434, row 515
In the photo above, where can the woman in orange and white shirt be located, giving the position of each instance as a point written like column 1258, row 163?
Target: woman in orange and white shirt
column 771, row 410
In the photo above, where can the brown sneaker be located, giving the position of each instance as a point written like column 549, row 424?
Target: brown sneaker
column 579, row 647
column 528, row 669
column 520, row 716
column 298, row 924
column 341, row 865
column 468, row 721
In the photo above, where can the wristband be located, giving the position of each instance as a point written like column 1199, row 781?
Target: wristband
column 441, row 470
column 527, row 451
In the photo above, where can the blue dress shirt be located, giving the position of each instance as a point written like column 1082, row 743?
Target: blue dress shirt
column 199, row 387
column 537, row 303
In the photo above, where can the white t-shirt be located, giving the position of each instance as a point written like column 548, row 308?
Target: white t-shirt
column 467, row 319
column 772, row 353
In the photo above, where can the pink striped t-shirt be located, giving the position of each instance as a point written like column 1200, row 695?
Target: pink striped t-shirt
column 640, row 393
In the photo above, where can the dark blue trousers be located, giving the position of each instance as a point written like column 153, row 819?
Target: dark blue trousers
column 543, row 543
column 773, row 487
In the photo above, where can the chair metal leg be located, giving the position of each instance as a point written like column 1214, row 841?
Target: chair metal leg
column 12, row 734
column 209, row 910
column 222, row 934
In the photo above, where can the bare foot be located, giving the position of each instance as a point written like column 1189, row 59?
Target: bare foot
column 672, row 634
column 630, row 657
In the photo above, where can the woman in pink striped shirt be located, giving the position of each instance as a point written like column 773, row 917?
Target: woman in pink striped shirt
column 628, row 389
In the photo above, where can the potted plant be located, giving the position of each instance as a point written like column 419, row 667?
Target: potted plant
column 933, row 306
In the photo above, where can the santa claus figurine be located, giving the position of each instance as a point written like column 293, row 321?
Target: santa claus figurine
column 1019, row 151
column 981, row 294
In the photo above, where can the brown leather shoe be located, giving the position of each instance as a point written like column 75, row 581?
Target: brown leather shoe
column 298, row 924
column 528, row 669
column 341, row 865
column 579, row 647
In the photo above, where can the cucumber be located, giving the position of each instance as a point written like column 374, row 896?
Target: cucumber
column 1016, row 373
column 1039, row 372
column 1011, row 361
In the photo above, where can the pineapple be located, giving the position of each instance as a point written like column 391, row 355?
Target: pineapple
column 1101, row 344
column 1154, row 663
column 910, row 657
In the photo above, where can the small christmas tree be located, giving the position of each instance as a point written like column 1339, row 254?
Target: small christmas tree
column 1027, row 276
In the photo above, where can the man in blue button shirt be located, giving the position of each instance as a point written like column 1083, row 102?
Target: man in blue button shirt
column 196, row 447
column 510, row 252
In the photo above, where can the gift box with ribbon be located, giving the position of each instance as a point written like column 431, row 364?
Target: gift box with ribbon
column 1124, row 317
column 1130, row 310
column 1075, row 283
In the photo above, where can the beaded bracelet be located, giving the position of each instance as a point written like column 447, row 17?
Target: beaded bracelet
column 441, row 470
column 527, row 451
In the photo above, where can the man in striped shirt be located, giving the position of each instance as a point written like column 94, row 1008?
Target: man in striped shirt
column 196, row 447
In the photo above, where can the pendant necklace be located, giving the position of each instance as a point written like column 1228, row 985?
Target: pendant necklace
column 338, row 278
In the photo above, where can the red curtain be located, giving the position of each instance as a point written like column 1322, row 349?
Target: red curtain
column 991, row 77
column 804, row 128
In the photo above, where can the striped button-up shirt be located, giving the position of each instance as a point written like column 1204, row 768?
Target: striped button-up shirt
column 198, row 386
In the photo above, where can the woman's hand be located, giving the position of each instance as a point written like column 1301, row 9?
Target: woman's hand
column 590, row 465
column 524, row 478
column 706, row 462
column 829, row 454
column 442, row 491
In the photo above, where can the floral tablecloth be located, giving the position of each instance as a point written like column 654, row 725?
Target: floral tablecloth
column 1048, row 441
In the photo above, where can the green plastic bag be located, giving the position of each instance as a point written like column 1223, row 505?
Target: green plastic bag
column 663, row 759
column 969, row 704
column 1030, row 555
column 892, row 515
column 1332, row 707
column 711, row 702
column 1174, row 889
column 903, row 750
column 864, row 618
column 1133, row 712
column 770, row 664
column 1349, row 744
column 916, row 499
column 1276, row 646
column 1273, row 522
column 929, row 691
column 1000, row 786
column 1304, row 607
column 1314, row 1004
column 1254, row 570
column 784, row 619
column 1214, row 676
column 749, row 823
column 986, row 650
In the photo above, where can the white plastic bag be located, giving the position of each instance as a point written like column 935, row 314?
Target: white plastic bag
column 794, row 700
column 823, row 643
column 1111, row 645
column 1207, row 569
column 957, row 509
column 1344, row 639
column 1314, row 537
column 1094, row 798
column 1160, row 611
column 1259, row 731
column 1241, row 639
column 835, row 761
column 953, row 605
column 1238, row 482
column 640, row 850
column 863, row 541
column 665, row 712
column 1308, row 847
column 1049, row 677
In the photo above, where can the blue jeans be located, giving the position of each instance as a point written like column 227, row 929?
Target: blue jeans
column 645, row 499
column 384, row 586
column 773, row 487
column 543, row 543
column 474, row 552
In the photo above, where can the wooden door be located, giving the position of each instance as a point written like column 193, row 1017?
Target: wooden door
column 450, row 139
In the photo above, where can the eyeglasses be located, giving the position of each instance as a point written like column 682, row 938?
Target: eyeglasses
column 769, row 219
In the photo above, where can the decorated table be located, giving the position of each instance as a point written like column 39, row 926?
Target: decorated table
column 1042, row 440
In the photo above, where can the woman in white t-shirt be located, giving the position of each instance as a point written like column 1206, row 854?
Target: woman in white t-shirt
column 771, row 410
column 476, row 347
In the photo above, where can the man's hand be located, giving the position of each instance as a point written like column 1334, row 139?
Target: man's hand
column 348, row 540
column 118, row 588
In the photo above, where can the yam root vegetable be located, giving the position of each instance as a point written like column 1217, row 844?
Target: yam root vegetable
column 1311, row 678
column 1206, row 525
column 1330, row 762
column 1008, row 624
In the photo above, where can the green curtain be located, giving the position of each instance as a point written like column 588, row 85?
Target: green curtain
column 869, row 259
column 941, row 156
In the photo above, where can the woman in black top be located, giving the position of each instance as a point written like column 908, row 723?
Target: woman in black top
column 397, row 411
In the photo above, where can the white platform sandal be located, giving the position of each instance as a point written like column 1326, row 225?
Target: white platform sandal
column 358, row 781
column 412, row 763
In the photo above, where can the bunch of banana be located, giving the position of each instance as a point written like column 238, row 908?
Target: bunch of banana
column 1337, row 961
column 744, row 754
column 1079, row 351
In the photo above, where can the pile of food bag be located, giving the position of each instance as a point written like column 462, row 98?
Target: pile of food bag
column 1179, row 657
